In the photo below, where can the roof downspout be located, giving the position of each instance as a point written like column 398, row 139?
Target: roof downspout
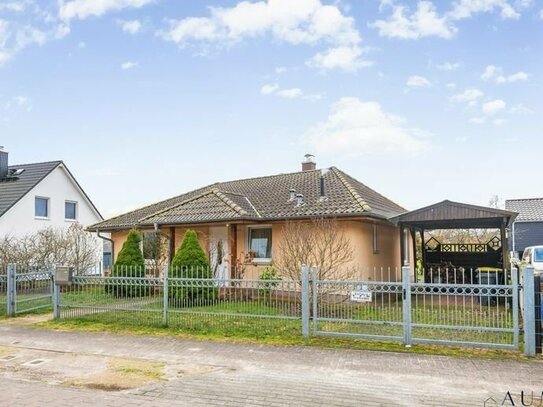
column 112, row 245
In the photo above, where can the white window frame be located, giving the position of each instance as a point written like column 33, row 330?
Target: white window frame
column 262, row 260
column 76, row 211
column 48, row 200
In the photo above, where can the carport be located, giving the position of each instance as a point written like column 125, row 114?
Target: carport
column 454, row 215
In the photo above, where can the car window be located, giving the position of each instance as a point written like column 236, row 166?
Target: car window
column 538, row 254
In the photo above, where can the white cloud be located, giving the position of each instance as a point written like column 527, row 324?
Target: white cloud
column 495, row 73
column 356, row 127
column 416, row 81
column 130, row 27
column 280, row 69
column 300, row 22
column 14, row 37
column 424, row 22
column 451, row 85
column 468, row 95
column 83, row 9
column 477, row 120
column 467, row 8
column 129, row 65
column 541, row 14
column 493, row 107
column 344, row 58
column 519, row 76
column 499, row 122
column 290, row 93
column 19, row 102
column 269, row 89
column 521, row 109
column 449, row 66
column 14, row 6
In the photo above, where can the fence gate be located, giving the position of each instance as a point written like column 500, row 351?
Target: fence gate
column 447, row 313
column 359, row 309
column 27, row 290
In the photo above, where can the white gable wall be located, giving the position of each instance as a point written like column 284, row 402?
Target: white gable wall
column 58, row 186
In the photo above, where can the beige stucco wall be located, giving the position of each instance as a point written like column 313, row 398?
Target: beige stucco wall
column 385, row 264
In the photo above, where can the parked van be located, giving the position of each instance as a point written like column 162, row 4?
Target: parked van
column 533, row 256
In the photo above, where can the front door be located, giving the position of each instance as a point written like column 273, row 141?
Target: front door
column 219, row 252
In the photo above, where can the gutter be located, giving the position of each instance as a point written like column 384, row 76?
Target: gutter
column 112, row 245
column 260, row 220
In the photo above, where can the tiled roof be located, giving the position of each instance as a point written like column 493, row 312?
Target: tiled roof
column 12, row 189
column 530, row 210
column 264, row 198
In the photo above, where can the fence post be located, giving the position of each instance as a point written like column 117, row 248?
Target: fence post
column 305, row 301
column 528, row 293
column 314, row 278
column 12, row 290
column 56, row 301
column 538, row 315
column 166, row 299
column 514, row 279
column 406, row 280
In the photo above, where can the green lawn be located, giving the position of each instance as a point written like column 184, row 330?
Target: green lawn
column 280, row 320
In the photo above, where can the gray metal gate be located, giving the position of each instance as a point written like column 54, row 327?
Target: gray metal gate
column 358, row 309
column 27, row 290
column 447, row 312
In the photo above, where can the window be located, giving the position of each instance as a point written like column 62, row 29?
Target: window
column 260, row 243
column 151, row 245
column 70, row 210
column 538, row 254
column 374, row 239
column 41, row 207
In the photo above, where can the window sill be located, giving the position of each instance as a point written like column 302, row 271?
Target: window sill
column 41, row 218
column 262, row 262
column 70, row 220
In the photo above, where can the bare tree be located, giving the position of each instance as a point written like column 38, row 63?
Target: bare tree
column 321, row 243
column 51, row 247
column 156, row 251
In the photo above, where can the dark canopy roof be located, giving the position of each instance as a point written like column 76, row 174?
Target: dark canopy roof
column 455, row 215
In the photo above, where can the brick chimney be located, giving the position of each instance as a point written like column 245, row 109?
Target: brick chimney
column 3, row 163
column 309, row 163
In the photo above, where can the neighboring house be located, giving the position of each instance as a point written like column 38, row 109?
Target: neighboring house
column 528, row 227
column 41, row 195
column 248, row 215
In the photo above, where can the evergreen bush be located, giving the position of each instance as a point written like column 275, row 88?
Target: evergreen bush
column 130, row 263
column 190, row 261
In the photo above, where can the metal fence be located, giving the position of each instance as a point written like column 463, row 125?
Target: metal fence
column 24, row 289
column 446, row 310
column 197, row 303
column 370, row 309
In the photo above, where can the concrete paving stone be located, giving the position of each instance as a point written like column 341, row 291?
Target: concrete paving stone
column 256, row 375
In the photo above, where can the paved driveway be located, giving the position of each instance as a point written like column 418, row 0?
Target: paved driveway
column 202, row 373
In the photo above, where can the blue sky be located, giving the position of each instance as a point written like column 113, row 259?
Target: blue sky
column 146, row 99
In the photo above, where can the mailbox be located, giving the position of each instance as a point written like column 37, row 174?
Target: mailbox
column 63, row 275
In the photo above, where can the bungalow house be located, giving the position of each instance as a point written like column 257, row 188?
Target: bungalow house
column 247, row 216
